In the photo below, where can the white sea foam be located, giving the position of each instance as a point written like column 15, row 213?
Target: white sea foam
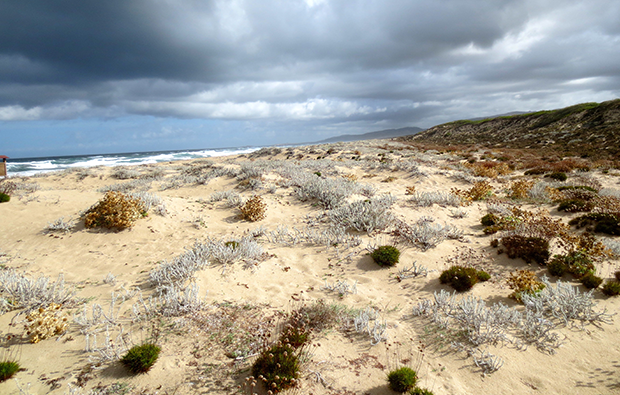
column 32, row 166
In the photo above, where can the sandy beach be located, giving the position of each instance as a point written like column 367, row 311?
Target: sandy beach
column 296, row 257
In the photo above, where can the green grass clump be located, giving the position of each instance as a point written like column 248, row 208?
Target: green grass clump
column 278, row 367
column 139, row 359
column 386, row 255
column 462, row 278
column 591, row 281
column 420, row 391
column 4, row 197
column 403, row 379
column 611, row 288
column 8, row 369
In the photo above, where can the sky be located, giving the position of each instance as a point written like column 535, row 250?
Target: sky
column 87, row 77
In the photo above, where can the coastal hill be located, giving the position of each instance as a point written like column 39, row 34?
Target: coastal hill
column 381, row 134
column 587, row 130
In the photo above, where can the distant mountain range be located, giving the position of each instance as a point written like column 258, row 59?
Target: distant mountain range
column 381, row 134
column 587, row 130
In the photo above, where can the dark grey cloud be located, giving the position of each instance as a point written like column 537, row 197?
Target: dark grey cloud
column 312, row 66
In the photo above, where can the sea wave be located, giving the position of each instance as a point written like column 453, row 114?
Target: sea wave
column 32, row 166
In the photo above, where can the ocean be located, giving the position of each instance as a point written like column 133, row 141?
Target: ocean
column 32, row 166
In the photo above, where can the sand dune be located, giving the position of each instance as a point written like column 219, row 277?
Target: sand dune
column 210, row 350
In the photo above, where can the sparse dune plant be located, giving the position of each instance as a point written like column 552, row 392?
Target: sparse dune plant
column 4, row 197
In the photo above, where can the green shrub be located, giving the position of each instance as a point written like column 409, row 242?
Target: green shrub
column 611, row 288
column 461, row 278
column 278, row 366
column 386, row 255
column 403, row 379
column 420, row 391
column 557, row 266
column 528, row 248
column 4, row 197
column 608, row 225
column 591, row 281
column 598, row 222
column 139, row 359
column 558, row 175
column 489, row 220
column 574, row 205
column 8, row 369
column 578, row 264
column 617, row 275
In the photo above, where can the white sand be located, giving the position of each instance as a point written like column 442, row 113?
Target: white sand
column 588, row 361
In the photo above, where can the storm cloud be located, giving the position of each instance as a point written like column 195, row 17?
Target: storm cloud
column 298, row 70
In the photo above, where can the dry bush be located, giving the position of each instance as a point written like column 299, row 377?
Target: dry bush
column 520, row 189
column 115, row 210
column 350, row 177
column 44, row 323
column 524, row 281
column 254, row 209
column 480, row 191
column 410, row 190
column 489, row 169
column 7, row 187
column 538, row 224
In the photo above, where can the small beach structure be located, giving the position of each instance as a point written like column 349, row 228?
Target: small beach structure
column 3, row 165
